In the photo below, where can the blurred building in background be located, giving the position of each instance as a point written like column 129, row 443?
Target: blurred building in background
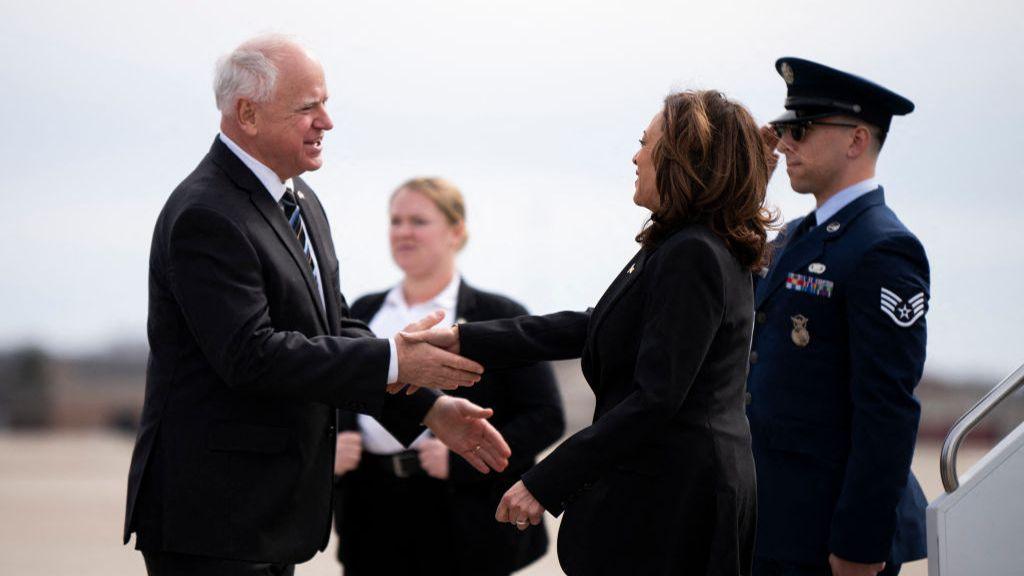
column 26, row 389
column 38, row 390
column 106, row 390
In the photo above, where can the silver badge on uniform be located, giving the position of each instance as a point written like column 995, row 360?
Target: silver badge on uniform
column 301, row 195
column 904, row 314
column 832, row 227
column 801, row 337
column 816, row 268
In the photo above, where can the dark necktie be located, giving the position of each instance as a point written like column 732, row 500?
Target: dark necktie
column 810, row 221
column 294, row 215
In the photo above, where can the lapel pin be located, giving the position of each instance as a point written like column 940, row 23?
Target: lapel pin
column 631, row 268
column 832, row 226
column 816, row 268
column 801, row 337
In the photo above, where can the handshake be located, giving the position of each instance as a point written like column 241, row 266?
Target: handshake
column 428, row 357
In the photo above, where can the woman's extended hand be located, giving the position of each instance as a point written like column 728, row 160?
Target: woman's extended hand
column 519, row 507
column 445, row 338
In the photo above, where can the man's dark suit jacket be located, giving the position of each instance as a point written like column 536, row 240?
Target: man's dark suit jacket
column 834, row 420
column 527, row 412
column 663, row 481
column 235, row 454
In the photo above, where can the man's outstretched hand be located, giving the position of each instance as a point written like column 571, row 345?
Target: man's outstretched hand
column 464, row 428
column 425, row 323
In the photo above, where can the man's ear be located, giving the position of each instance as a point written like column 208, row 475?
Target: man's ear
column 245, row 116
column 861, row 142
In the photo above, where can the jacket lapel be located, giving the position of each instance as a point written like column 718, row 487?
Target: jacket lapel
column 804, row 249
column 465, row 304
column 626, row 278
column 264, row 203
column 275, row 218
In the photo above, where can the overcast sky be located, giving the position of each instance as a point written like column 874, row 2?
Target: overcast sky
column 532, row 107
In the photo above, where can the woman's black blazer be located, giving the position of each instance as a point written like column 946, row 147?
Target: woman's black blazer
column 662, row 482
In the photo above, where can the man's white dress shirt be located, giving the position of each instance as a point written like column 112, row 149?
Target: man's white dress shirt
column 394, row 315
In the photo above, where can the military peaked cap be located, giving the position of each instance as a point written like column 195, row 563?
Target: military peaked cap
column 816, row 91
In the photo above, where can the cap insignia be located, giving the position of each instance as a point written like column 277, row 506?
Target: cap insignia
column 787, row 73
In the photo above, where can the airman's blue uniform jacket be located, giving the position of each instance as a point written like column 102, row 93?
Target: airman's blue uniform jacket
column 838, row 347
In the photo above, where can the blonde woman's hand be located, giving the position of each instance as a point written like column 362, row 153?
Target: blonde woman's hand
column 434, row 458
column 348, row 451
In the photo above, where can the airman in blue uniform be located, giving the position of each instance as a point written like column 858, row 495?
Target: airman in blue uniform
column 838, row 346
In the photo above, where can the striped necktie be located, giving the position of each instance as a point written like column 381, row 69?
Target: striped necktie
column 294, row 215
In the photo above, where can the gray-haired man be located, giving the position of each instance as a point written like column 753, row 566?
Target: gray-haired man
column 252, row 347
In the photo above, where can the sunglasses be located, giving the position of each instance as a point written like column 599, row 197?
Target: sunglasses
column 799, row 129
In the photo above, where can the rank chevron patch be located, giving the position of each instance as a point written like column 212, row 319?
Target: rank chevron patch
column 904, row 314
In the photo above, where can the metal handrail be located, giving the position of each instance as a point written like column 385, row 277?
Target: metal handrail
column 967, row 422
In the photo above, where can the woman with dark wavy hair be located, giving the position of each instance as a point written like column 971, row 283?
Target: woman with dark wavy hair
column 662, row 482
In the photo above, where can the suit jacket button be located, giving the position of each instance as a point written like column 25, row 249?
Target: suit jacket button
column 762, row 317
column 753, row 356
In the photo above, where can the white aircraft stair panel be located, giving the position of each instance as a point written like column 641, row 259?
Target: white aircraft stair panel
column 978, row 529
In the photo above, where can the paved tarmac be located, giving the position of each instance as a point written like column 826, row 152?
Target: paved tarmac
column 62, row 501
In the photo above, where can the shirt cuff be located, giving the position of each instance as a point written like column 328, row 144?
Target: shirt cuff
column 392, row 362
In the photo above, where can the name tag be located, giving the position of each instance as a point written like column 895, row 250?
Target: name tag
column 815, row 286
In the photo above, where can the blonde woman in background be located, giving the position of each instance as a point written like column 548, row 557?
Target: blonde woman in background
column 385, row 492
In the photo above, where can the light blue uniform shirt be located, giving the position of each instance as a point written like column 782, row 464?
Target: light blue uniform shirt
column 842, row 198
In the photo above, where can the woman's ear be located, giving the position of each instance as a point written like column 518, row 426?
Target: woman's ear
column 460, row 234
